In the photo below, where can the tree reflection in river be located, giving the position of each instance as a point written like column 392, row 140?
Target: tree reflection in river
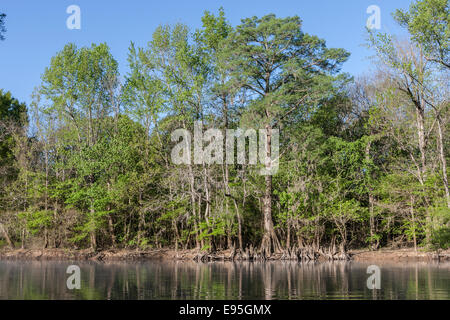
column 223, row 280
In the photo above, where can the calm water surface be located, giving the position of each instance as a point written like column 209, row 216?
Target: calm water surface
column 223, row 280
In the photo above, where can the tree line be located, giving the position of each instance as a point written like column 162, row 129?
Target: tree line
column 363, row 162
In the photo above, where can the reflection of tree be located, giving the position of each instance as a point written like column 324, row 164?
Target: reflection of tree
column 222, row 280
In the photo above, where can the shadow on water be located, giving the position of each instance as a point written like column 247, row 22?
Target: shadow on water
column 223, row 280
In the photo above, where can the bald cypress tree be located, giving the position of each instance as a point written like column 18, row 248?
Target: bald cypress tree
column 285, row 73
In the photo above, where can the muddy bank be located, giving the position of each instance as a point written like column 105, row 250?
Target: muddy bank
column 300, row 254
column 86, row 254
column 102, row 255
column 400, row 255
column 226, row 255
column 109, row 254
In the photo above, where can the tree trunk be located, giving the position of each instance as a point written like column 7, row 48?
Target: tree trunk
column 45, row 238
column 239, row 224
column 270, row 243
column 414, row 224
column 422, row 144
column 5, row 234
column 371, row 211
column 443, row 160
column 92, row 233
column 110, row 223
column 111, row 230
column 193, row 201
column 371, row 222
column 288, row 237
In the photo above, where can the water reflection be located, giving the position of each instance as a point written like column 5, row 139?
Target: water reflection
column 223, row 280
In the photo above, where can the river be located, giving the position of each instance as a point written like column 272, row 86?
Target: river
column 223, row 280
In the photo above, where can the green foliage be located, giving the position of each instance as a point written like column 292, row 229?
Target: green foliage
column 440, row 227
column 292, row 72
column 13, row 116
column 428, row 23
column 96, row 169
column 37, row 221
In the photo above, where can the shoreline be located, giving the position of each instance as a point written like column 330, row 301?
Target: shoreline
column 130, row 255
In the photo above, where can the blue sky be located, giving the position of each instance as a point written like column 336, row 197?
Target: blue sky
column 37, row 29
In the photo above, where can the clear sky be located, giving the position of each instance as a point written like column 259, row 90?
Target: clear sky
column 36, row 30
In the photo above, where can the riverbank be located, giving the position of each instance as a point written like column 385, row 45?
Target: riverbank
column 86, row 254
column 192, row 254
column 400, row 255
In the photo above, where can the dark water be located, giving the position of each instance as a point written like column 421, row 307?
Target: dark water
column 223, row 280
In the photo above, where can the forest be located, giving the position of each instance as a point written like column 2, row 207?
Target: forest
column 362, row 161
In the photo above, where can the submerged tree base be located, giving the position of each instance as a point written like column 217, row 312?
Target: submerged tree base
column 294, row 254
